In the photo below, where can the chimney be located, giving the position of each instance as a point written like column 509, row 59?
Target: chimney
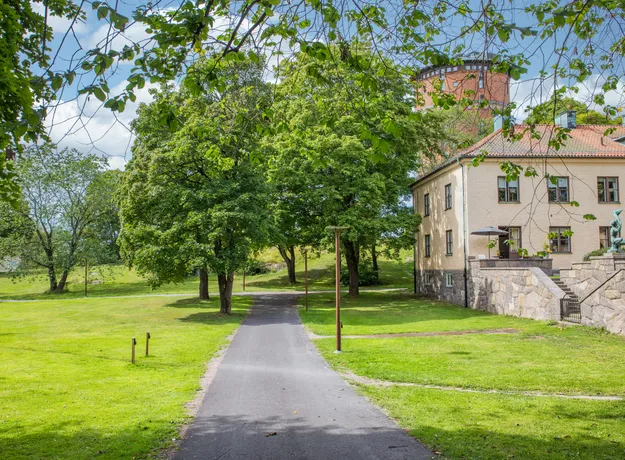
column 498, row 122
column 567, row 119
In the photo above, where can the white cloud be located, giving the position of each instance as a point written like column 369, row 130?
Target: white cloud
column 85, row 125
column 531, row 92
column 60, row 25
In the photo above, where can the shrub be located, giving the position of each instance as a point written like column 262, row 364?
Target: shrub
column 367, row 276
column 595, row 253
column 255, row 267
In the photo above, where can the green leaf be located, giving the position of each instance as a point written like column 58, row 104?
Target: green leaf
column 57, row 82
column 103, row 11
column 97, row 92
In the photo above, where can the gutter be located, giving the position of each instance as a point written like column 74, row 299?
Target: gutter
column 464, row 236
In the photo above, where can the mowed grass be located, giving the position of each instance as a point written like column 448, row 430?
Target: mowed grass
column 68, row 389
column 542, row 357
column 117, row 280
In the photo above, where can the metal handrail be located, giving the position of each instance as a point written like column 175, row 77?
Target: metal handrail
column 598, row 287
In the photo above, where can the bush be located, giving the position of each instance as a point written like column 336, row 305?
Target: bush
column 595, row 253
column 367, row 276
column 255, row 267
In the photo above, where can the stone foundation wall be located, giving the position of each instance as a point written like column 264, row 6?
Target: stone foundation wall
column 583, row 277
column 605, row 307
column 524, row 291
column 437, row 288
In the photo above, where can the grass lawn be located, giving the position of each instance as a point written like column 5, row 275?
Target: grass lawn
column 68, row 389
column 544, row 357
column 119, row 281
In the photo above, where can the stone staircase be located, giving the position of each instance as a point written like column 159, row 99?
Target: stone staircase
column 570, row 309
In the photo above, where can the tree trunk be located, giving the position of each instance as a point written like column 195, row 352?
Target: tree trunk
column 374, row 260
column 285, row 252
column 204, row 284
column 352, row 257
column 60, row 288
column 225, row 292
column 52, row 278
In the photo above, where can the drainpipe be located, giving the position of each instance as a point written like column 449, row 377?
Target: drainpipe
column 415, row 246
column 464, row 237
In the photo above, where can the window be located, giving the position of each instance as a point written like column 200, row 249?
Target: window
column 456, row 84
column 428, row 245
column 426, row 204
column 508, row 190
column 449, row 242
column 480, row 82
column 449, row 280
column 560, row 240
column 427, row 278
column 605, row 240
column 607, row 189
column 448, row 196
column 443, row 85
column 509, row 242
column 558, row 188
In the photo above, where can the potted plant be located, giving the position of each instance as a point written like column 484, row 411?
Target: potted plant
column 523, row 254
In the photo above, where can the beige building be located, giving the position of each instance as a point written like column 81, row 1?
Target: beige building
column 543, row 213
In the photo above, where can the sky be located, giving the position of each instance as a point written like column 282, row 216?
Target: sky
column 77, row 122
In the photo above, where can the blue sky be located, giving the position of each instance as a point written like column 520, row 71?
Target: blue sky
column 85, row 125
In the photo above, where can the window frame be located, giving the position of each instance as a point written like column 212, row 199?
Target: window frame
column 449, row 199
column 507, row 191
column 426, row 205
column 449, row 243
column 449, row 279
column 559, row 251
column 605, row 180
column 427, row 278
column 557, row 188
column 427, row 243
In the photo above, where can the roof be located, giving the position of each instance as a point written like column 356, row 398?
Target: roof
column 468, row 58
column 584, row 141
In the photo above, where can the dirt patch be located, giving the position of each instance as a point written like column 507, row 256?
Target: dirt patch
column 384, row 383
column 419, row 334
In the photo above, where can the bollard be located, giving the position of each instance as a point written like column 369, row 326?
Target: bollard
column 134, row 343
column 86, row 276
column 147, row 343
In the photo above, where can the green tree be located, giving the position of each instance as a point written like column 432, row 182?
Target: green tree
column 333, row 151
column 101, row 236
column 195, row 197
column 546, row 112
column 61, row 200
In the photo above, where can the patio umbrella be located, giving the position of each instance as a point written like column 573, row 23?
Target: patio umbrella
column 489, row 231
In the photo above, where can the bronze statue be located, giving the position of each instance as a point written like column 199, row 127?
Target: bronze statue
column 615, row 232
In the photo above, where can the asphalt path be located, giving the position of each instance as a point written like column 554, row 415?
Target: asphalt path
column 274, row 397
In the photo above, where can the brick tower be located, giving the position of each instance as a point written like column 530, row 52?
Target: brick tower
column 474, row 75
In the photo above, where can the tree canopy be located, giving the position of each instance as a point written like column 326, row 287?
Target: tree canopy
column 194, row 196
column 63, row 196
column 332, row 157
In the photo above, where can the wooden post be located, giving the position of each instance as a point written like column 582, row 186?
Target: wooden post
column 306, row 276
column 134, row 343
column 337, row 242
column 243, row 280
column 147, row 343
column 86, row 275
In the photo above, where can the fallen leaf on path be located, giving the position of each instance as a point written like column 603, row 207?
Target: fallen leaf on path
column 273, row 433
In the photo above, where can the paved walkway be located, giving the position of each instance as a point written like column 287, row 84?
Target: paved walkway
column 274, row 397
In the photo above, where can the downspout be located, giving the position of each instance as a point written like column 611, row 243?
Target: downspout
column 416, row 246
column 464, row 236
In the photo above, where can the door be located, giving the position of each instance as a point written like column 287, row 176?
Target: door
column 509, row 242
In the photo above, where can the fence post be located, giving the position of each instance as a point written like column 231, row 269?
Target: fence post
column 134, row 343
column 147, row 343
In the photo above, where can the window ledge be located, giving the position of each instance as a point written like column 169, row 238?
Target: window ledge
column 609, row 202
column 509, row 202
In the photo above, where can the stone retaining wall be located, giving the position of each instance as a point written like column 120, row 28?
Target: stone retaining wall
column 605, row 307
column 524, row 291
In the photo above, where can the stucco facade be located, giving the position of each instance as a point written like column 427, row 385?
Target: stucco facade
column 530, row 210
